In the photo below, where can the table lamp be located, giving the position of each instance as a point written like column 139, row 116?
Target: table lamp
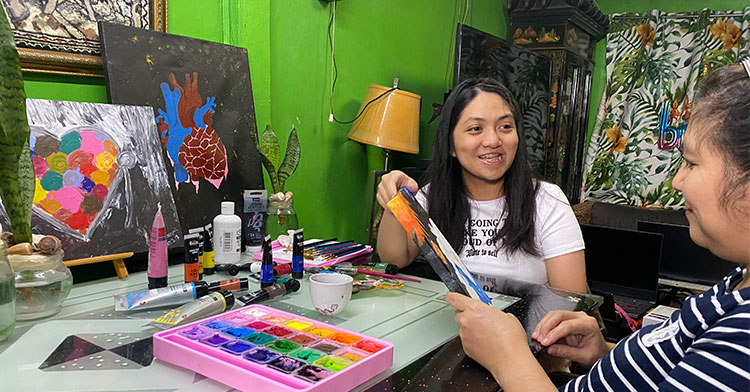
column 389, row 119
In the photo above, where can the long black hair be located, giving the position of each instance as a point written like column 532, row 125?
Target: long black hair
column 447, row 201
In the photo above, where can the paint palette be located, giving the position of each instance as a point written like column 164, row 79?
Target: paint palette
column 257, row 347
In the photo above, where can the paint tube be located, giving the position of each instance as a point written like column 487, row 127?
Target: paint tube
column 157, row 252
column 279, row 289
column 192, row 253
column 209, row 305
column 164, row 296
column 208, row 249
column 201, row 244
column 256, row 204
column 298, row 261
column 237, row 284
column 266, row 269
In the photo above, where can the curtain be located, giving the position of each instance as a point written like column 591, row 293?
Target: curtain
column 654, row 62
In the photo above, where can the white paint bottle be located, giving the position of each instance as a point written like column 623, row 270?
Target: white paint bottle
column 227, row 235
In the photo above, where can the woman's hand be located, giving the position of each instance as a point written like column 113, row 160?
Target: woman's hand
column 390, row 184
column 571, row 335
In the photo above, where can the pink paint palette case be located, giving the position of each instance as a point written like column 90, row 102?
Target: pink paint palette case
column 259, row 348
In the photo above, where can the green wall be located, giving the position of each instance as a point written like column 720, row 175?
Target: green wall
column 290, row 69
column 599, row 76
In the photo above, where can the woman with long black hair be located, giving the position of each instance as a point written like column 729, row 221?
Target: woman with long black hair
column 484, row 199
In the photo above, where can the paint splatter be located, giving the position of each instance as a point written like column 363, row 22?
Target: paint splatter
column 187, row 133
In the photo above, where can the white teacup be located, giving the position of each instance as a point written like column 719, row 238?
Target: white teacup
column 330, row 293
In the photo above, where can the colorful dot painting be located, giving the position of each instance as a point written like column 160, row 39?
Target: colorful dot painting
column 73, row 174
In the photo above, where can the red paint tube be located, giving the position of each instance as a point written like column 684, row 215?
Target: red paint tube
column 157, row 252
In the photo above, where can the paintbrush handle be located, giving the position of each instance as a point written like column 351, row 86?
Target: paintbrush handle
column 384, row 275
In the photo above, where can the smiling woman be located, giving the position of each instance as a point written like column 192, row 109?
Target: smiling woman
column 479, row 173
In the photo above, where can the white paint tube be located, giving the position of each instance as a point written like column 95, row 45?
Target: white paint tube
column 209, row 305
column 164, row 296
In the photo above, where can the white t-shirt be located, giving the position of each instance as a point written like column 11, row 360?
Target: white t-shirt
column 557, row 233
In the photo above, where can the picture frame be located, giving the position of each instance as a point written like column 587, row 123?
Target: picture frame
column 60, row 37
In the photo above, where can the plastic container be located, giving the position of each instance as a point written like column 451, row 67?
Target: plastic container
column 227, row 235
column 281, row 218
column 7, row 295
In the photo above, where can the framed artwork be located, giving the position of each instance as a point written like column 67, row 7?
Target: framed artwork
column 203, row 101
column 100, row 177
column 61, row 36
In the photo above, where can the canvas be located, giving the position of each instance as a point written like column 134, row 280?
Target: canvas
column 99, row 177
column 202, row 97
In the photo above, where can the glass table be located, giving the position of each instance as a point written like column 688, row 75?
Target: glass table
column 90, row 347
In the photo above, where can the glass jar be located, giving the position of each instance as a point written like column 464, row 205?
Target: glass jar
column 281, row 217
column 42, row 283
column 7, row 295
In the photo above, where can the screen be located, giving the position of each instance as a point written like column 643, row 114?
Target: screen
column 622, row 262
column 683, row 260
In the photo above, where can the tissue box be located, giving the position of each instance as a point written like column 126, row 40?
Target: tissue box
column 658, row 315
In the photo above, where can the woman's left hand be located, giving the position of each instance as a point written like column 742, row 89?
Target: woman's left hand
column 488, row 335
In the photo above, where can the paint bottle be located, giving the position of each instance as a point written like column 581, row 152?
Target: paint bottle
column 298, row 260
column 227, row 235
column 208, row 249
column 192, row 253
column 209, row 305
column 157, row 252
column 201, row 244
column 266, row 268
column 255, row 210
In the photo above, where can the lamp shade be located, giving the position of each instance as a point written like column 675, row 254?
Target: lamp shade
column 392, row 121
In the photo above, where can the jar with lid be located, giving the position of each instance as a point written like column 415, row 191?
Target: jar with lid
column 7, row 295
column 42, row 282
column 281, row 217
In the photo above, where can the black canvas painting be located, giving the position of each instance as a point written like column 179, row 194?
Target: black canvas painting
column 203, row 102
column 525, row 73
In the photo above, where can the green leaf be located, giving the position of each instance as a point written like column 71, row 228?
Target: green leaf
column 17, row 187
column 291, row 158
column 271, row 173
column 269, row 148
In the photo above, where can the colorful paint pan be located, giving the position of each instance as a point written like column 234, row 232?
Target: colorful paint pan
column 297, row 324
column 368, row 345
column 239, row 332
column 352, row 354
column 286, row 364
column 237, row 347
column 333, row 363
column 259, row 338
column 326, row 346
column 303, row 338
column 345, row 338
column 216, row 339
column 283, row 346
column 308, row 354
column 261, row 355
column 320, row 331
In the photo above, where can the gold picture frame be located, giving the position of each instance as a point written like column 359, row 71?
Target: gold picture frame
column 48, row 61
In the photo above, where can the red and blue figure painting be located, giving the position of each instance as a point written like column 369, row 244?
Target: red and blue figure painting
column 186, row 130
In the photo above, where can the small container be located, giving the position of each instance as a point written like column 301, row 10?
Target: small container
column 7, row 295
column 283, row 346
column 345, row 338
column 237, row 347
column 308, row 355
column 313, row 373
column 259, row 338
column 42, row 283
column 333, row 363
column 297, row 324
column 218, row 324
column 216, row 339
column 352, row 354
column 286, row 364
column 261, row 355
column 227, row 235
column 304, row 339
column 326, row 346
column 196, row 332
column 281, row 217
column 368, row 345
column 239, row 332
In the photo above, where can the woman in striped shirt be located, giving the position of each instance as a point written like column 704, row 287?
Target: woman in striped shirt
column 705, row 345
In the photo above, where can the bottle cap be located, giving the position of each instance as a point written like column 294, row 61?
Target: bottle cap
column 201, row 288
column 228, row 297
column 292, row 285
column 227, row 207
column 251, row 250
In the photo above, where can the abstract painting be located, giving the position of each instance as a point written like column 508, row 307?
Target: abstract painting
column 202, row 96
column 100, row 177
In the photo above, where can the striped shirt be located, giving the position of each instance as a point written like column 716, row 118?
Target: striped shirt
column 705, row 346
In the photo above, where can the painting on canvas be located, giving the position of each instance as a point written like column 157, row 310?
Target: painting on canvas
column 202, row 97
column 99, row 177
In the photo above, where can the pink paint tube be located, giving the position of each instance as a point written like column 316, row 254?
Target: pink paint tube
column 157, row 253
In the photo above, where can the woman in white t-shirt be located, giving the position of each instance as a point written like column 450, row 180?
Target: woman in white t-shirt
column 483, row 198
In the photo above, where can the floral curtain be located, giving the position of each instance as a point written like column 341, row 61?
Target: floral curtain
column 654, row 62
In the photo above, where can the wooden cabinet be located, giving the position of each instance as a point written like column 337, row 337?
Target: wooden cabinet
column 566, row 32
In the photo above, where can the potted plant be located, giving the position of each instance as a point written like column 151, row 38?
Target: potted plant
column 281, row 214
column 41, row 280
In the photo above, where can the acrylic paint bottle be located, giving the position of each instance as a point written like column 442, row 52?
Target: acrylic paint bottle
column 201, row 244
column 157, row 252
column 298, row 261
column 192, row 255
column 255, row 210
column 208, row 250
column 227, row 235
column 266, row 269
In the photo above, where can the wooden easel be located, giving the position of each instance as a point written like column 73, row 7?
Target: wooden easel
column 117, row 260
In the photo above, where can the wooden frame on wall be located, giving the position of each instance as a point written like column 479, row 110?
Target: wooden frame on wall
column 58, row 55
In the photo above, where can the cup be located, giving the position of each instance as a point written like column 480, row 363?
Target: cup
column 330, row 293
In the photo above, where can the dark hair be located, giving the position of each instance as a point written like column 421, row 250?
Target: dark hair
column 723, row 108
column 447, row 200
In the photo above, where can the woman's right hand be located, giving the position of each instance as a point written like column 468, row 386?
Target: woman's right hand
column 571, row 335
column 390, row 184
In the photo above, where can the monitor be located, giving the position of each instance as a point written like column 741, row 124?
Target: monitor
column 622, row 262
column 683, row 260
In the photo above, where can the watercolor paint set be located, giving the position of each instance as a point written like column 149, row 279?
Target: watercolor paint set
column 257, row 347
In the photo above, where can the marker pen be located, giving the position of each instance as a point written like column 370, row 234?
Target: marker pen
column 209, row 305
column 298, row 260
column 269, row 292
column 266, row 271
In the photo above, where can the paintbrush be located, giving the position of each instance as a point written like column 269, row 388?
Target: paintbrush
column 315, row 243
column 384, row 275
column 334, row 245
column 343, row 252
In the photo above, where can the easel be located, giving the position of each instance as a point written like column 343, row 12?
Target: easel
column 117, row 260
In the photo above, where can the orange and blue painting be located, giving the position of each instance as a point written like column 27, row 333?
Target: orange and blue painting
column 433, row 245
